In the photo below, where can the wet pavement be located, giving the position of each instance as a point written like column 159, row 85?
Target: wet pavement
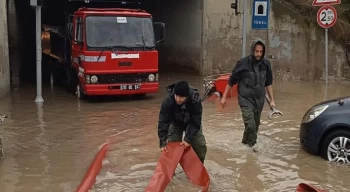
column 49, row 147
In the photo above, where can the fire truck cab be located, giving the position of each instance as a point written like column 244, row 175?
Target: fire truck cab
column 107, row 51
column 113, row 52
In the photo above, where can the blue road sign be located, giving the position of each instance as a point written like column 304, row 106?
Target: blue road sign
column 260, row 16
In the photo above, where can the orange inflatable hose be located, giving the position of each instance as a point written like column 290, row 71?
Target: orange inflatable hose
column 167, row 164
column 303, row 187
column 94, row 169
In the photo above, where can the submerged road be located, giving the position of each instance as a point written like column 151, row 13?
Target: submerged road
column 49, row 148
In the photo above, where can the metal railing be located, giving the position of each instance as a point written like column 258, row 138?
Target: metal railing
column 209, row 86
column 209, row 80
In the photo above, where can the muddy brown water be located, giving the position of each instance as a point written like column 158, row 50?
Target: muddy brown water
column 49, row 147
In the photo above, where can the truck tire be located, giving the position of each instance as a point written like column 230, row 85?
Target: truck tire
column 339, row 154
column 80, row 93
column 71, row 81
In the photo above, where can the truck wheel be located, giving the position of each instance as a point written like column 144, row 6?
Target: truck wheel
column 71, row 81
column 336, row 146
column 80, row 93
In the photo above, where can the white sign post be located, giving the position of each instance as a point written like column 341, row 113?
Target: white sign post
column 326, row 18
column 37, row 5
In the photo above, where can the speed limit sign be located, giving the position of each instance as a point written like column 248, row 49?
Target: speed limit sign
column 326, row 16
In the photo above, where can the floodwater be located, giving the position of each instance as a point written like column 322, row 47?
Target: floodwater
column 49, row 148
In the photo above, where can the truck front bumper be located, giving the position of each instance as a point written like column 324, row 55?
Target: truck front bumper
column 116, row 89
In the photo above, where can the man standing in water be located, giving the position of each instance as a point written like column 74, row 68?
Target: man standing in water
column 254, row 76
column 181, row 111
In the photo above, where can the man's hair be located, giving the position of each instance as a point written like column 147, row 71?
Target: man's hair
column 259, row 43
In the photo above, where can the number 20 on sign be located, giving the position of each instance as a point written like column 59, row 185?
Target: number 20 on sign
column 326, row 16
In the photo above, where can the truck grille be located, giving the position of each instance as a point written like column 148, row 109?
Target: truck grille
column 123, row 78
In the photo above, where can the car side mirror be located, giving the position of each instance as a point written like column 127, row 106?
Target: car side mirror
column 159, row 31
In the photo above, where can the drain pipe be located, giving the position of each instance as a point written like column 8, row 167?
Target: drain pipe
column 244, row 30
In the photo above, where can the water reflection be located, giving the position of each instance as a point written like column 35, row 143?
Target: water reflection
column 43, row 145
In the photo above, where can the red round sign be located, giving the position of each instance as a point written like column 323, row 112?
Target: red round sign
column 326, row 16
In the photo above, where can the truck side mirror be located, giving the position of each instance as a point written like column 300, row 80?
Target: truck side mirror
column 79, row 32
column 70, row 31
column 159, row 30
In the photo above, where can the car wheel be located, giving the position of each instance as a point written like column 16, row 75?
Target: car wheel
column 336, row 147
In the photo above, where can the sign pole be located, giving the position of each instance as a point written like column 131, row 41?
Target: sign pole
column 37, row 5
column 260, row 17
column 326, row 18
column 244, row 30
column 326, row 54
column 39, row 98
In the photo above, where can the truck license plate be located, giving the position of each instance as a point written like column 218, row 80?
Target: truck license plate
column 130, row 87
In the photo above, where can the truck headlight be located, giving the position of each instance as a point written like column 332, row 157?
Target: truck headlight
column 314, row 113
column 151, row 77
column 94, row 79
column 157, row 76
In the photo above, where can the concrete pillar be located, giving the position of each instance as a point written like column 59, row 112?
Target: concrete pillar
column 4, row 51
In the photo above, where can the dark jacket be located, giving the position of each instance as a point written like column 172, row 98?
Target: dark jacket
column 188, row 115
column 252, row 77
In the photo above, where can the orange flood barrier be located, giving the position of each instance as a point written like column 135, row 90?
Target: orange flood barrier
column 303, row 187
column 168, row 162
column 221, row 83
column 94, row 169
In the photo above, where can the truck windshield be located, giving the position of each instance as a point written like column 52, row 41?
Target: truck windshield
column 128, row 33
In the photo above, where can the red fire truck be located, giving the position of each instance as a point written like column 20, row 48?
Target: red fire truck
column 105, row 51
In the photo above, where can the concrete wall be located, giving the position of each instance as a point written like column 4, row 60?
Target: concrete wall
column 182, row 45
column 15, row 41
column 4, row 53
column 298, row 47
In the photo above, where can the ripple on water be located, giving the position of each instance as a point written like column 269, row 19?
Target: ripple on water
column 50, row 148
column 130, row 168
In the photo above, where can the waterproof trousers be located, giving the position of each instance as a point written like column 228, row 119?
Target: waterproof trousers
column 198, row 142
column 251, row 119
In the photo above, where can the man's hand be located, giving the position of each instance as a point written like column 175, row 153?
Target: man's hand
column 223, row 102
column 272, row 104
column 185, row 144
column 163, row 149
